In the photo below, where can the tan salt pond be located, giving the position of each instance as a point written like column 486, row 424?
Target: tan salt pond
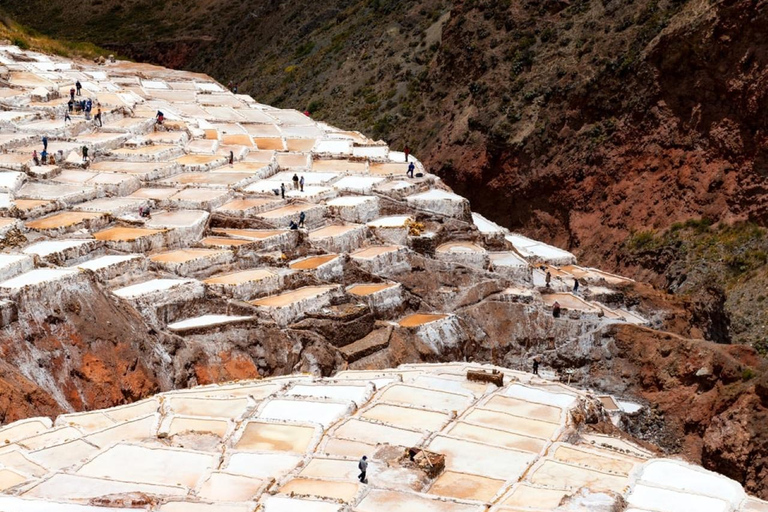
column 557, row 474
column 208, row 178
column 460, row 247
column 291, row 160
column 184, row 255
column 154, row 193
column 125, row 234
column 344, row 491
column 237, row 139
column 334, row 230
column 197, row 159
column 240, row 277
column 372, row 252
column 393, row 501
column 569, row 301
column 293, row 209
column 247, row 204
column 524, row 408
column 29, row 204
column 252, row 234
column 145, row 150
column 300, row 144
column 219, row 241
column 418, row 319
column 406, row 417
column 387, row 169
column 313, row 262
column 274, row 143
column 339, row 165
column 362, row 290
column 592, row 460
column 466, row 487
column 258, row 436
column 61, row 220
column 510, row 423
column 545, row 499
column 497, row 437
column 428, row 398
column 375, row 433
column 291, row 297
column 345, row 448
column 212, row 407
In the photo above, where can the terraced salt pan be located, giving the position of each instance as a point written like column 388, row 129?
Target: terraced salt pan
column 356, row 394
column 440, row 202
column 150, row 287
column 571, row 302
column 463, row 486
column 339, row 238
column 540, row 251
column 141, row 464
column 246, row 284
column 279, row 437
column 359, row 184
column 531, row 394
column 304, row 411
column 60, row 487
column 289, row 306
column 313, row 262
column 261, row 465
column 207, row 321
column 286, row 504
column 360, row 209
column 392, row 501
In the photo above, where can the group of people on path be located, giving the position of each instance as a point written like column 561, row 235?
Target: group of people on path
column 85, row 105
column 302, row 218
column 298, row 184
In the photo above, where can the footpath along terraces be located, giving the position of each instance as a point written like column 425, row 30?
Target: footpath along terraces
column 437, row 442
column 214, row 285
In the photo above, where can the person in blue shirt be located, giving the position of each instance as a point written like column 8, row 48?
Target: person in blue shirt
column 45, row 143
column 411, row 168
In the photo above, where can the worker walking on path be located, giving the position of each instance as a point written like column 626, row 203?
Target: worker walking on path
column 79, row 88
column 295, row 182
column 67, row 117
column 411, row 168
column 85, row 153
column 548, row 278
column 97, row 117
column 556, row 310
column 363, row 467
column 407, row 152
column 302, row 218
column 45, row 143
column 575, row 285
column 301, row 183
column 282, row 190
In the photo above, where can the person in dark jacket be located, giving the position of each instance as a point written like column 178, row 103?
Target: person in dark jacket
column 363, row 467
column 556, row 309
column 302, row 218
